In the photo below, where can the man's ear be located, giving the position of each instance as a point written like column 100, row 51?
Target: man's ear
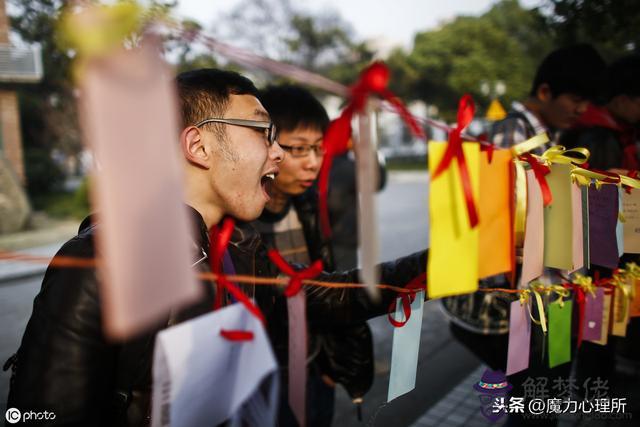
column 544, row 93
column 194, row 148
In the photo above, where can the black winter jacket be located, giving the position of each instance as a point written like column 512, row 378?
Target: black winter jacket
column 66, row 365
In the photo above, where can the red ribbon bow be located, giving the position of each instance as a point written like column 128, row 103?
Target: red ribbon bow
column 295, row 283
column 407, row 299
column 373, row 80
column 218, row 241
column 466, row 110
column 540, row 170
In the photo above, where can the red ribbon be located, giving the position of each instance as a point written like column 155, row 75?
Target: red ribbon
column 219, row 238
column 540, row 170
column 373, row 80
column 295, row 283
column 406, row 299
column 466, row 110
column 234, row 335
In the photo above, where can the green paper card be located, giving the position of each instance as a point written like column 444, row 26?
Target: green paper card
column 558, row 220
column 560, row 333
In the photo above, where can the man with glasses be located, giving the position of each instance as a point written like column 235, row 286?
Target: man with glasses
column 67, row 365
column 290, row 223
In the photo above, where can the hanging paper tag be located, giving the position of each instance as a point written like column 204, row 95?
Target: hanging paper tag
column 603, row 218
column 558, row 220
column 585, row 226
column 620, row 224
column 559, row 332
column 496, row 194
column 621, row 313
column 592, row 322
column 296, row 306
column 404, row 353
column 631, row 212
column 367, row 178
column 533, row 249
column 577, row 228
column 452, row 239
column 606, row 319
column 129, row 118
column 201, row 379
column 519, row 338
column 634, row 306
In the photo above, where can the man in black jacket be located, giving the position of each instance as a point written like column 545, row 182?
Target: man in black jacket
column 290, row 223
column 65, row 364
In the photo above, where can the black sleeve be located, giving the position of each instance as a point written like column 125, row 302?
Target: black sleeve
column 348, row 305
column 64, row 363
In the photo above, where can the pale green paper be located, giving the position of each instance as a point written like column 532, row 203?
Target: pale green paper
column 560, row 333
column 558, row 220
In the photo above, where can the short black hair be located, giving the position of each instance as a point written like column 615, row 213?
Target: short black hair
column 204, row 93
column 577, row 70
column 292, row 107
column 623, row 76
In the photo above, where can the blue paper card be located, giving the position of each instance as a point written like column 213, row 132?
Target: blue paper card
column 404, row 353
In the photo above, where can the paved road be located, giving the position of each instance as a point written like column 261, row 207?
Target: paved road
column 403, row 217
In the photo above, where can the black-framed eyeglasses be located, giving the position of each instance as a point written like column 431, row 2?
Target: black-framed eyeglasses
column 304, row 150
column 268, row 127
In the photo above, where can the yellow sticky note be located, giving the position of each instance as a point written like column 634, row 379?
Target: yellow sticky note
column 496, row 253
column 558, row 220
column 453, row 254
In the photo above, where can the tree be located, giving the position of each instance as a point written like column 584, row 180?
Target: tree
column 610, row 25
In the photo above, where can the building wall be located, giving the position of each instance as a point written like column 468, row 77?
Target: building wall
column 11, row 146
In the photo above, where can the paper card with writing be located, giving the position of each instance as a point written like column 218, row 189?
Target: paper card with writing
column 519, row 338
column 631, row 212
column 606, row 319
column 296, row 307
column 533, row 248
column 452, row 238
column 578, row 228
column 592, row 322
column 620, row 224
column 603, row 218
column 620, row 318
column 129, row 119
column 404, row 353
column 559, row 333
column 200, row 378
column 558, row 220
column 496, row 253
column 585, row 226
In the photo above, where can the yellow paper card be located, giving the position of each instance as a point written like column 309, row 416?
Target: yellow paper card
column 620, row 313
column 496, row 192
column 453, row 254
column 558, row 220
column 634, row 306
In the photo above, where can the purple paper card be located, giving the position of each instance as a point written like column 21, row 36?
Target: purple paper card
column 592, row 326
column 296, row 306
column 603, row 218
column 519, row 338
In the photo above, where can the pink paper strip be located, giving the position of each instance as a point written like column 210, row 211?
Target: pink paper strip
column 519, row 338
column 297, row 308
column 130, row 122
column 578, row 229
column 533, row 248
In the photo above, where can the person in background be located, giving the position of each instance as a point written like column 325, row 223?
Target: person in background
column 290, row 223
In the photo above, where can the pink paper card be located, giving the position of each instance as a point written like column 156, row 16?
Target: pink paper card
column 297, row 309
column 578, row 228
column 519, row 338
column 592, row 322
column 129, row 120
column 533, row 248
